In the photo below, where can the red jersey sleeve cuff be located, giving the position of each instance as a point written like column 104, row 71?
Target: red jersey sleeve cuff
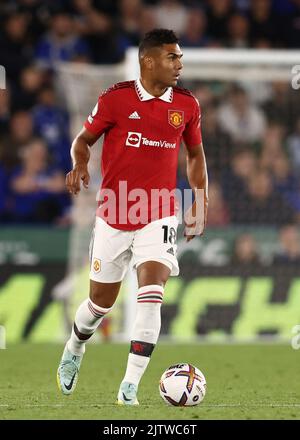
column 90, row 127
column 193, row 143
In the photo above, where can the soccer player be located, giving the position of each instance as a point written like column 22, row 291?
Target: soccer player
column 143, row 123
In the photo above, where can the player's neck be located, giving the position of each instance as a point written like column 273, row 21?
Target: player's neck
column 153, row 88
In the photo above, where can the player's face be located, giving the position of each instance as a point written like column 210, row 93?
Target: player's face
column 168, row 64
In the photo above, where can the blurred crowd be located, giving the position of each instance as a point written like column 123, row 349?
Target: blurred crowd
column 252, row 144
column 100, row 31
column 251, row 136
column 252, row 147
column 246, row 250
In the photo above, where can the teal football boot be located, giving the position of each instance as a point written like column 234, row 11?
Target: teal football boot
column 127, row 394
column 67, row 373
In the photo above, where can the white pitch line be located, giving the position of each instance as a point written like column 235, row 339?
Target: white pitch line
column 218, row 405
column 256, row 405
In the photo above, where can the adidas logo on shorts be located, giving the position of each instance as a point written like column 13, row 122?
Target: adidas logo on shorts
column 170, row 251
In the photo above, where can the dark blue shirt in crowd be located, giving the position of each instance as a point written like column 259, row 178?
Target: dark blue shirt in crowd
column 52, row 123
column 40, row 206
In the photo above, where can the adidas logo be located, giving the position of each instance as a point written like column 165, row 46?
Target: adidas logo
column 171, row 251
column 134, row 115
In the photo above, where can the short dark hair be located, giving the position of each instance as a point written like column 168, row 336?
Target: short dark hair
column 156, row 38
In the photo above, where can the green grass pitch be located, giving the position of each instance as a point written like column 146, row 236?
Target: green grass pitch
column 243, row 382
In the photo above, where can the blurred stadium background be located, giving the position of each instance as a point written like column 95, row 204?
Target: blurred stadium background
column 239, row 282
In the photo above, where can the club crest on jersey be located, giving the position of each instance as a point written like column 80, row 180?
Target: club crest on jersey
column 176, row 118
column 96, row 265
column 133, row 139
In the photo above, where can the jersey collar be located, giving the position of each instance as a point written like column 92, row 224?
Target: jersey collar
column 145, row 96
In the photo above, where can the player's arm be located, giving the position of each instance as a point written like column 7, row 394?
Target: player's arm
column 195, row 217
column 198, row 180
column 98, row 122
column 80, row 153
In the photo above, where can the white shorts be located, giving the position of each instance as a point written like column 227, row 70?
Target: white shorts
column 111, row 250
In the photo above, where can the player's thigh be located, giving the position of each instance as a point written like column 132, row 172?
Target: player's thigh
column 110, row 253
column 104, row 294
column 157, row 242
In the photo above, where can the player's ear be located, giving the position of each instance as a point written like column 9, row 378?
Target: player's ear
column 149, row 62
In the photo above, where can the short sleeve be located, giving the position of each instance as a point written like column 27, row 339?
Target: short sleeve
column 100, row 120
column 192, row 133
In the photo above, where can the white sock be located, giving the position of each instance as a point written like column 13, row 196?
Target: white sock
column 145, row 331
column 87, row 319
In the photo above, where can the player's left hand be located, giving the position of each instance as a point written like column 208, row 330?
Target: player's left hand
column 198, row 226
column 78, row 174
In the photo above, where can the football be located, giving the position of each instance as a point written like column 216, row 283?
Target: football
column 182, row 385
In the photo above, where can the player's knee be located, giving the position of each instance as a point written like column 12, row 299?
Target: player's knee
column 152, row 272
column 99, row 296
column 148, row 278
column 101, row 300
column 103, row 295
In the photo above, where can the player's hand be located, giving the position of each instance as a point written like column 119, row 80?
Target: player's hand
column 196, row 227
column 75, row 176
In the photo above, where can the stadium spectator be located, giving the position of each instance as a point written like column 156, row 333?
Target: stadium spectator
column 61, row 43
column 130, row 11
column 36, row 13
column 263, row 25
column 102, row 30
column 245, row 251
column 258, row 91
column 289, row 252
column 239, row 118
column 261, row 43
column 274, row 134
column 218, row 215
column 88, row 19
column 15, row 49
column 218, row 13
column 218, row 147
column 194, row 34
column 285, row 182
column 242, row 5
column 3, row 194
column 52, row 124
column 171, row 11
column 238, row 32
column 284, row 7
column 293, row 145
column 236, row 177
column 147, row 20
column 268, row 155
column 37, row 190
column 261, row 204
column 205, row 95
column 20, row 132
column 292, row 27
column 283, row 105
column 271, row 145
column 25, row 95
column 5, row 107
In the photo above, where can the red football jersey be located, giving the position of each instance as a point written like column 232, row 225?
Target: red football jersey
column 142, row 136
